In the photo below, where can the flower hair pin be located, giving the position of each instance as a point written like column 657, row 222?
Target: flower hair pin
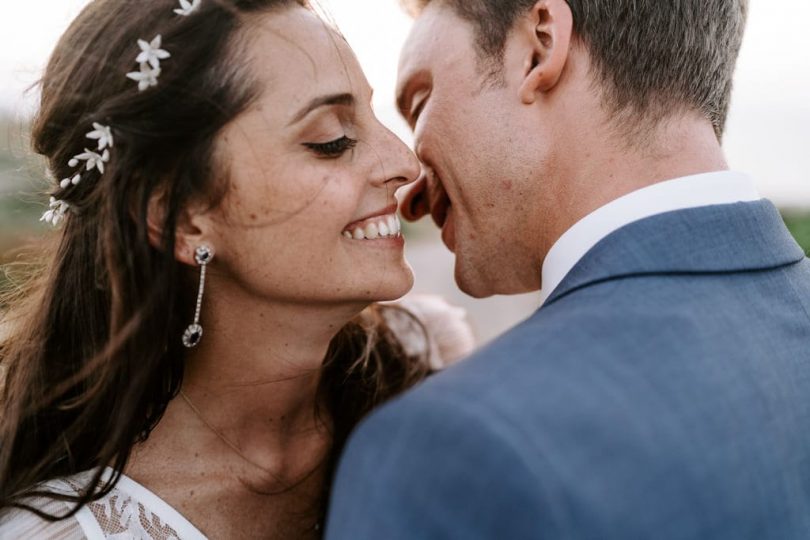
column 88, row 160
column 56, row 212
column 187, row 8
column 147, row 77
column 149, row 59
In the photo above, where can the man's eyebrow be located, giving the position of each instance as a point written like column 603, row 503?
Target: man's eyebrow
column 322, row 101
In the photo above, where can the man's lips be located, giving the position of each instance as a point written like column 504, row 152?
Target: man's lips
column 426, row 196
column 439, row 205
column 449, row 229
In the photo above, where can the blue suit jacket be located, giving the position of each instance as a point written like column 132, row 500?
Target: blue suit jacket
column 662, row 392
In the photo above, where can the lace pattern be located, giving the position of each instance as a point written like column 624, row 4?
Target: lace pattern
column 128, row 512
column 123, row 518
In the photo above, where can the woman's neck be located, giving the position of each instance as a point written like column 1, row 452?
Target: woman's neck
column 250, row 404
column 257, row 372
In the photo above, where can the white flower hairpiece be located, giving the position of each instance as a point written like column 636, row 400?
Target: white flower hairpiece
column 56, row 212
column 147, row 76
column 103, row 134
column 92, row 160
column 151, row 52
column 187, row 8
column 68, row 181
column 149, row 59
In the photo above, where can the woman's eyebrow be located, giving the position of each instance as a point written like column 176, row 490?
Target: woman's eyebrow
column 322, row 101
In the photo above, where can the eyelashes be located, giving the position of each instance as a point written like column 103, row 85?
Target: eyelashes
column 332, row 149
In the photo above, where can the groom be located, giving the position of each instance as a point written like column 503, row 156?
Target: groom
column 663, row 388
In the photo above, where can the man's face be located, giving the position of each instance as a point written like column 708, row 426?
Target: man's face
column 479, row 150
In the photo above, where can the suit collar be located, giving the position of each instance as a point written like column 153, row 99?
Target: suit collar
column 724, row 238
column 706, row 189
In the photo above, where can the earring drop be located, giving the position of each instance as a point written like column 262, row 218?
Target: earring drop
column 193, row 334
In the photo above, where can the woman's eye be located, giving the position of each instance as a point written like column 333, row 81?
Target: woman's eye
column 332, row 149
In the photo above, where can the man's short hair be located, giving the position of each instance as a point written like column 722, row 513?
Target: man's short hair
column 651, row 56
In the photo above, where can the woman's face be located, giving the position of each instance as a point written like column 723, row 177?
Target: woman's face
column 309, row 216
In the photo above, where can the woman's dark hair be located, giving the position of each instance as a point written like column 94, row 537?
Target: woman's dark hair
column 91, row 356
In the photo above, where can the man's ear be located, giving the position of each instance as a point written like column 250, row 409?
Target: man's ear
column 189, row 229
column 548, row 28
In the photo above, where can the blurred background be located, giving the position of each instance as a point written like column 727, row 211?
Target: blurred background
column 768, row 133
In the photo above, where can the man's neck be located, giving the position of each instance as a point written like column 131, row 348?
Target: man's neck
column 680, row 147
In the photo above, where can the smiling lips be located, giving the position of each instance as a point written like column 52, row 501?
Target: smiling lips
column 375, row 228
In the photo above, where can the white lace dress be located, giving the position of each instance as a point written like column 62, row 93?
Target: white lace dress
column 128, row 512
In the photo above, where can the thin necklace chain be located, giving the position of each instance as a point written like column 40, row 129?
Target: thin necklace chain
column 241, row 454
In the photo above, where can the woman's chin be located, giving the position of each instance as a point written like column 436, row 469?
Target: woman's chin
column 393, row 287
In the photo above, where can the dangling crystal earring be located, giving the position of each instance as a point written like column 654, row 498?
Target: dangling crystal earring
column 193, row 334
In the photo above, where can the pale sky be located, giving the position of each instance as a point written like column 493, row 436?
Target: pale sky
column 768, row 134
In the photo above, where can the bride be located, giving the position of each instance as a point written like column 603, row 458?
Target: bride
column 203, row 336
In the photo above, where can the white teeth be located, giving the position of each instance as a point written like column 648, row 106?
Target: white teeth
column 383, row 227
column 372, row 231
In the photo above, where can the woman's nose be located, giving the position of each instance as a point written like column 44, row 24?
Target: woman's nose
column 399, row 164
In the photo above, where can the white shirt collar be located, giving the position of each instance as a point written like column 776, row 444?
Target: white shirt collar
column 724, row 187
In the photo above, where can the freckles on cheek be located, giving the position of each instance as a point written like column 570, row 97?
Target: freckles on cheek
column 305, row 192
column 242, row 211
